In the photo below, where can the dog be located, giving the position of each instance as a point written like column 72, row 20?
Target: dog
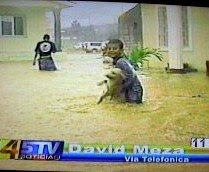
column 113, row 84
column 107, row 63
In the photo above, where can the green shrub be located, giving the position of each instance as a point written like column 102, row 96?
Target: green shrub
column 140, row 55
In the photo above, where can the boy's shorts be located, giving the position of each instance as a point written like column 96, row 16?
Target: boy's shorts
column 47, row 64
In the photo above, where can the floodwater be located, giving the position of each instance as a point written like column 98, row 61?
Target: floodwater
column 61, row 105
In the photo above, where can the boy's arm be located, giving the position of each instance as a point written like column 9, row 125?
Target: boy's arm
column 34, row 61
column 122, row 64
column 36, row 54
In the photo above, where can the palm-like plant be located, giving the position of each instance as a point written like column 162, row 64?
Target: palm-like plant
column 140, row 55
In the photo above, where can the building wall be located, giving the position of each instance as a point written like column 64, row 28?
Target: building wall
column 200, row 39
column 130, row 28
column 199, row 24
column 35, row 26
column 150, row 33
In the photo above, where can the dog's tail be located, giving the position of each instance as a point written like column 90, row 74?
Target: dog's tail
column 102, row 82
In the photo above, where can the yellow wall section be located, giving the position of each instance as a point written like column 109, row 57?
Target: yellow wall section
column 199, row 52
column 150, row 33
column 36, row 27
column 200, row 26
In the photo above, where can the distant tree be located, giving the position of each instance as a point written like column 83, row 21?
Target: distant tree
column 92, row 32
column 76, row 29
column 113, row 34
column 89, row 33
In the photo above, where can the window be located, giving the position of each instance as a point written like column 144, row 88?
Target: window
column 185, row 27
column 18, row 26
column 163, row 27
column 11, row 25
column 95, row 44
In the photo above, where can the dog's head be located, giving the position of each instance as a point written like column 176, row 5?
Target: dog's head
column 115, row 73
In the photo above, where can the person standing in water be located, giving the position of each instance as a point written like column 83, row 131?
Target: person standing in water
column 45, row 49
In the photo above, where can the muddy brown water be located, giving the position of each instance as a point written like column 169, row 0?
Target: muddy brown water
column 62, row 105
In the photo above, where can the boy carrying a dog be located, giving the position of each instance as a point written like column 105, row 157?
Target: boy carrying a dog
column 132, row 89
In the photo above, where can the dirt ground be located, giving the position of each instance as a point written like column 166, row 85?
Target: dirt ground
column 61, row 105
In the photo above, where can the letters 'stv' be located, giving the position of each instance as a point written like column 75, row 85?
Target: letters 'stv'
column 51, row 120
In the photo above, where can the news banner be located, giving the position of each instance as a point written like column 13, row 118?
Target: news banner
column 197, row 152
